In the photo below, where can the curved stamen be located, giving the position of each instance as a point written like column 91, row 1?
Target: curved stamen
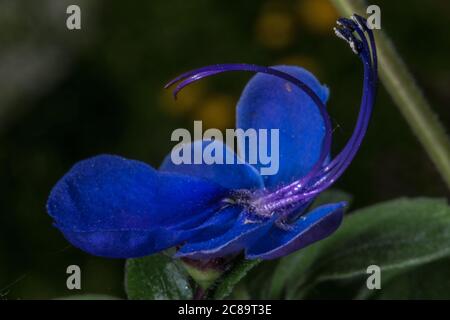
column 345, row 33
column 195, row 75
column 190, row 79
column 347, row 154
column 301, row 191
column 362, row 23
column 342, row 161
column 337, row 166
column 331, row 172
column 360, row 126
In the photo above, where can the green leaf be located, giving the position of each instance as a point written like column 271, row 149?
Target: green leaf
column 292, row 268
column 393, row 235
column 156, row 277
column 203, row 277
column 429, row 281
column 257, row 281
column 299, row 263
column 233, row 277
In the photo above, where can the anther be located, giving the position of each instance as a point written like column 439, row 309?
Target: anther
column 346, row 35
column 347, row 23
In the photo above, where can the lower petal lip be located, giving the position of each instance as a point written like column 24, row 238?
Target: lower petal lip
column 314, row 226
column 240, row 236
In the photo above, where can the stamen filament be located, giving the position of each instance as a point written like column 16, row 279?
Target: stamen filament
column 298, row 191
column 346, row 155
column 331, row 172
column 195, row 75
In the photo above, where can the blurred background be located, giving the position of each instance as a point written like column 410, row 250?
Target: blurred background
column 68, row 95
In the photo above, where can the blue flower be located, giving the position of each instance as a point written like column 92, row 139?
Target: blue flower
column 114, row 207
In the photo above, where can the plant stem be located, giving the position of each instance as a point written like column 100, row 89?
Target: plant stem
column 407, row 95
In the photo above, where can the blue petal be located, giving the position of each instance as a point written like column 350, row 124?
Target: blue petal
column 235, row 175
column 243, row 234
column 314, row 226
column 135, row 243
column 268, row 102
column 125, row 243
column 115, row 207
column 220, row 222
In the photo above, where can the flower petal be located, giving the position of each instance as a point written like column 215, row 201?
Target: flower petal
column 115, row 207
column 314, row 226
column 135, row 243
column 220, row 222
column 268, row 102
column 235, row 175
column 242, row 234
column 126, row 243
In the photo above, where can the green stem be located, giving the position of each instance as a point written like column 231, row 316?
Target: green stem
column 406, row 94
column 204, row 278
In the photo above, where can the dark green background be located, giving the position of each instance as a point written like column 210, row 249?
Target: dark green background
column 68, row 95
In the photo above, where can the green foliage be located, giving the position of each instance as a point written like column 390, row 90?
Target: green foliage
column 203, row 277
column 430, row 281
column 232, row 278
column 409, row 239
column 156, row 277
column 397, row 236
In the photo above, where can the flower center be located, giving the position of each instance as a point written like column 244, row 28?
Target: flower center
column 261, row 204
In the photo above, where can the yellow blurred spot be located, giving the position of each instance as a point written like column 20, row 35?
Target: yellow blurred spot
column 305, row 62
column 319, row 15
column 217, row 112
column 187, row 99
column 275, row 30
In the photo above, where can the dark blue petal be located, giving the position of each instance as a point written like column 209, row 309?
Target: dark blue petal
column 236, row 175
column 134, row 243
column 268, row 102
column 219, row 222
column 314, row 226
column 126, row 243
column 115, row 207
column 243, row 234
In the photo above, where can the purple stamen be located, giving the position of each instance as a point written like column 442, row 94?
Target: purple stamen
column 195, row 75
column 330, row 173
column 301, row 193
column 290, row 198
column 347, row 154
